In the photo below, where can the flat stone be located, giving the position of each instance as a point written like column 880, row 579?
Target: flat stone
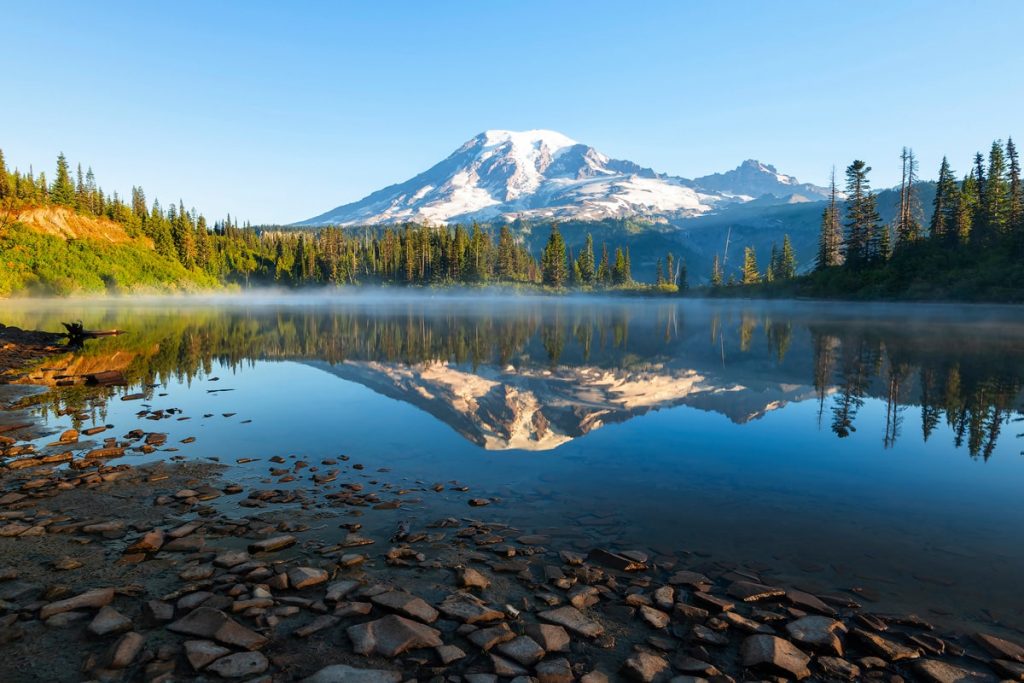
column 471, row 578
column 583, row 596
column 149, row 543
column 125, row 650
column 524, row 650
column 665, row 597
column 206, row 622
column 889, row 649
column 574, row 620
column 392, row 635
column 556, row 671
column 748, row 591
column 776, row 655
column 352, row 609
column 506, row 668
column 240, row 665
column 817, row 632
column 744, row 624
column 231, row 558
column 550, row 637
column 1000, row 647
column 619, row 561
column 713, row 601
column 269, row 545
column 407, row 605
column 319, row 624
column 654, row 617
column 469, row 609
column 108, row 620
column 93, row 599
column 449, row 653
column 646, row 667
column 486, row 638
column 1009, row 669
column 201, row 652
column 694, row 580
column 809, row 603
column 934, row 671
column 838, row 668
column 304, row 577
column 342, row 673
column 339, row 589
column 186, row 544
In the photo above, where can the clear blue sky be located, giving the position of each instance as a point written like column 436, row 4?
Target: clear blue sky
column 277, row 112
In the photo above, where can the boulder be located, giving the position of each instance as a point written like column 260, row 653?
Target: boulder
column 818, row 632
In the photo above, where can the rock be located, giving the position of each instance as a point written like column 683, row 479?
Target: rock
column 478, row 502
column 449, row 654
column 352, row 609
column 201, row 652
column 583, row 596
column 839, row 669
column 93, row 599
column 468, row 609
column 999, row 647
column 665, row 597
column 550, row 637
column 693, row 580
column 231, row 558
column 125, row 650
column 406, row 605
column 743, row 624
column 471, row 578
column 934, row 671
column 239, row 665
column 339, row 589
column 809, row 603
column 269, row 545
column 713, row 601
column 505, row 668
column 486, row 638
column 646, row 667
column 66, row 564
column 574, row 620
column 342, row 673
column 207, row 622
column 554, row 671
column 108, row 620
column 391, row 636
column 318, row 624
column 618, row 561
column 1014, row 671
column 523, row 650
column 817, row 632
column 149, row 543
column 304, row 577
column 705, row 635
column 774, row 654
column 654, row 617
column 748, row 591
column 889, row 649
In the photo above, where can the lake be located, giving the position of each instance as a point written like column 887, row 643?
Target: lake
column 871, row 450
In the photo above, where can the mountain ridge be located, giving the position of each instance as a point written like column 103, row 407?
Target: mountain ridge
column 546, row 175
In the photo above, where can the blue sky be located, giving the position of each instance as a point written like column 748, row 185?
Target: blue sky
column 277, row 112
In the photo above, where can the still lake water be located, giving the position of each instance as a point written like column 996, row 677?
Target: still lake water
column 830, row 446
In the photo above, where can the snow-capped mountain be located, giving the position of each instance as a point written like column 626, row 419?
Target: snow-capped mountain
column 752, row 179
column 543, row 174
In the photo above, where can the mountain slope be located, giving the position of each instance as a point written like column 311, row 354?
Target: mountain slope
column 545, row 175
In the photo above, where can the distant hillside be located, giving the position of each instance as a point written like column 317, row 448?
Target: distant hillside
column 53, row 250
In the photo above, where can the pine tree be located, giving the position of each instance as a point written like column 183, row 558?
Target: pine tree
column 629, row 268
column 670, row 268
column 716, row 273
column 908, row 226
column 772, row 272
column 830, row 237
column 553, row 266
column 943, row 225
column 995, row 195
column 659, row 278
column 967, row 202
column 750, row 273
column 1015, row 214
column 63, row 190
column 619, row 270
column 604, row 270
column 682, row 281
column 787, row 260
column 862, row 220
column 585, row 262
column 5, row 182
column 506, row 254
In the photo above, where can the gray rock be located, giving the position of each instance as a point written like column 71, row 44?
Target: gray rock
column 646, row 667
column 554, row 671
column 125, row 650
column 506, row 668
column 108, row 620
column 654, row 617
column 239, row 665
column 486, row 638
column 934, row 671
column 201, row 652
column 1000, row 647
column 817, row 632
column 339, row 589
column 889, row 649
column 574, row 620
column 269, row 545
column 550, row 637
column 776, row 655
column 838, row 668
column 392, row 635
column 342, row 673
column 523, row 649
column 407, row 605
column 93, row 599
column 748, row 591
column 471, row 578
column 469, row 609
column 449, row 653
column 210, row 623
column 304, row 577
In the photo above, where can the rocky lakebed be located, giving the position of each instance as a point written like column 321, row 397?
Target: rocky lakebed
column 171, row 570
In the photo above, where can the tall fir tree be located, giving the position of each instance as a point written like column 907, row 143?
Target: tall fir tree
column 681, row 281
column 943, row 223
column 862, row 219
column 553, row 265
column 506, row 254
column 63, row 189
column 908, row 224
column 585, row 262
column 787, row 260
column 1015, row 217
column 5, row 181
column 995, row 195
column 716, row 272
column 750, row 273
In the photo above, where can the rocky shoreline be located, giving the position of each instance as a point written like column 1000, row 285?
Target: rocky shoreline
column 168, row 571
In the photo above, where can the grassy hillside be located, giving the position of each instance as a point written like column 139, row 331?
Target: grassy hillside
column 52, row 250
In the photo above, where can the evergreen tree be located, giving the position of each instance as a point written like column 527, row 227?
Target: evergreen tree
column 772, row 272
column 63, row 190
column 659, row 278
column 787, row 260
column 506, row 254
column 619, row 270
column 943, row 225
column 967, row 202
column 830, row 238
column 1015, row 213
column 750, row 273
column 585, row 262
column 995, row 205
column 604, row 270
column 908, row 226
column 670, row 268
column 682, row 282
column 716, row 273
column 862, row 220
column 5, row 182
column 553, row 266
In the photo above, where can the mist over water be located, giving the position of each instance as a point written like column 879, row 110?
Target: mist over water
column 829, row 445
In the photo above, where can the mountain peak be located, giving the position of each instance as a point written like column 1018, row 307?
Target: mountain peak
column 551, row 139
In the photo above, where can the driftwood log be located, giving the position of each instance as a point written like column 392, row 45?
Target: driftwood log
column 77, row 334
